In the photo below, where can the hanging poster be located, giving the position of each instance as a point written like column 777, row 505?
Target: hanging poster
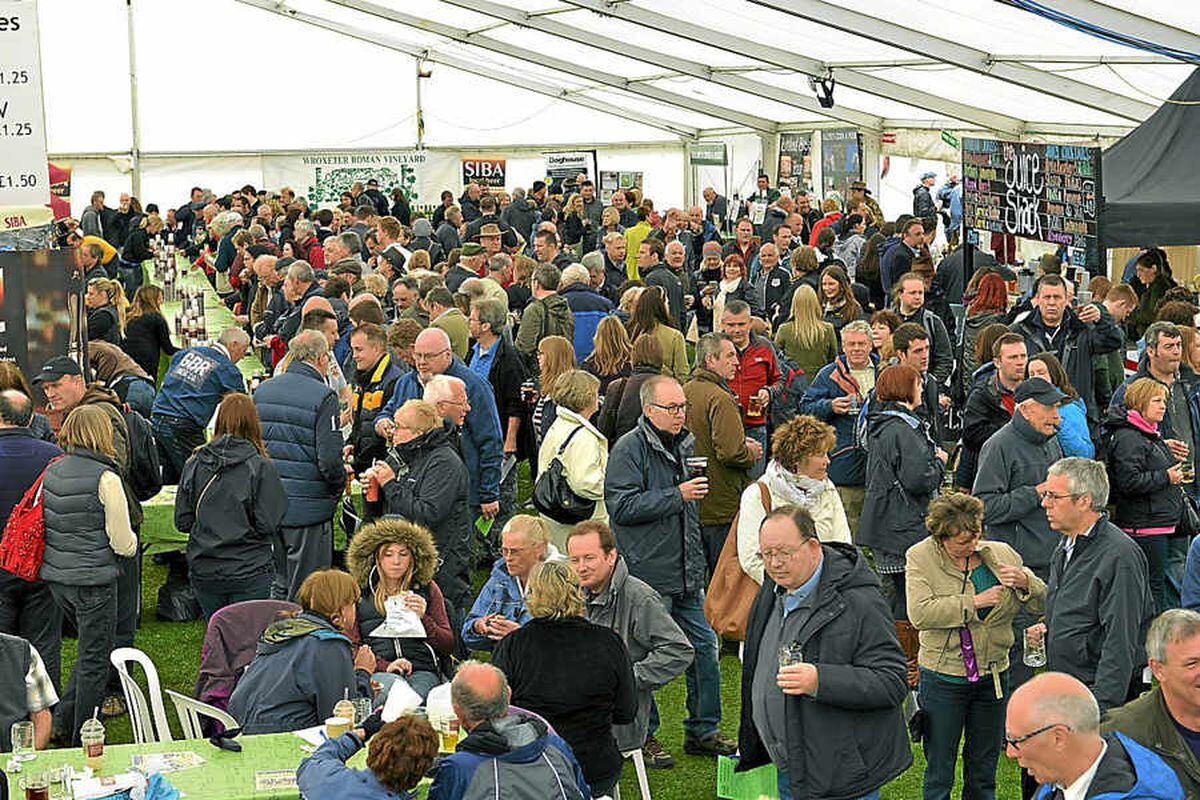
column 1046, row 192
column 611, row 180
column 323, row 176
column 23, row 178
column 841, row 160
column 483, row 171
column 795, row 162
column 41, row 307
column 564, row 167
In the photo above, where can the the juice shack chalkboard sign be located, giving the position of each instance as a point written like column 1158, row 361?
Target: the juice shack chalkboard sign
column 1047, row 192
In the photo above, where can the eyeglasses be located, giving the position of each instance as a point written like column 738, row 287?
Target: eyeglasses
column 1015, row 742
column 672, row 408
column 781, row 555
column 512, row 551
column 429, row 356
column 1056, row 497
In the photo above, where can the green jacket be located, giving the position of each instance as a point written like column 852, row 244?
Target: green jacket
column 1147, row 721
column 455, row 325
column 715, row 419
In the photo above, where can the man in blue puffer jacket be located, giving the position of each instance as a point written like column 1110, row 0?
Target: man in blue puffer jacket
column 299, row 415
column 828, row 398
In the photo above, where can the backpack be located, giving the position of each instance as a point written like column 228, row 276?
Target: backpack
column 791, row 389
column 24, row 541
column 145, row 475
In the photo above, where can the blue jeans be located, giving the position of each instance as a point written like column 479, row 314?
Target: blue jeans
column 759, row 434
column 967, row 712
column 785, row 788
column 176, row 438
column 703, row 675
column 215, row 595
column 1177, row 550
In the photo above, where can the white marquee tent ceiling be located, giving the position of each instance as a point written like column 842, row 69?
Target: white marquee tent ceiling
column 252, row 75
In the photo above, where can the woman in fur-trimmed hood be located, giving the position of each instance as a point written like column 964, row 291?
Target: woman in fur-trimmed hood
column 394, row 560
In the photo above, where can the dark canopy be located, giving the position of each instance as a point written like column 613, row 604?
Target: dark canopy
column 1151, row 178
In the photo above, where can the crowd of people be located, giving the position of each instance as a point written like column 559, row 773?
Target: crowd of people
column 909, row 485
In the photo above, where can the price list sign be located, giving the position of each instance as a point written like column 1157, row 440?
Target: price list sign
column 1047, row 192
column 23, row 174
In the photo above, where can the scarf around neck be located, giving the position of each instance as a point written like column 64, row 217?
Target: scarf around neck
column 799, row 490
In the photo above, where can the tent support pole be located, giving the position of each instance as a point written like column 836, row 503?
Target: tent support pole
column 136, row 152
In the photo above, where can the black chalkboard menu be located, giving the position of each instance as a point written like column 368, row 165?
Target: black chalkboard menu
column 1047, row 192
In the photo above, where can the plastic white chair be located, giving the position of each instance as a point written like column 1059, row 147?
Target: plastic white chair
column 639, row 766
column 190, row 710
column 145, row 727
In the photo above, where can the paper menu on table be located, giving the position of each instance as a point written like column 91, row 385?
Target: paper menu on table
column 274, row 780
column 314, row 735
column 166, row 762
column 106, row 786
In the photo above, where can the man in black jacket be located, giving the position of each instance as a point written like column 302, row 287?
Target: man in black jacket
column 821, row 655
column 656, row 273
column 990, row 403
column 1098, row 603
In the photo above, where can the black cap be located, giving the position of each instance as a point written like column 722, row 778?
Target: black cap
column 57, row 367
column 373, row 182
column 1040, row 390
column 284, row 263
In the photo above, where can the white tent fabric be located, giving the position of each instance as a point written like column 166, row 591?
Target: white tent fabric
column 302, row 75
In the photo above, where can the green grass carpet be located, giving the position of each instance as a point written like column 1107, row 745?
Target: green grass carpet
column 175, row 650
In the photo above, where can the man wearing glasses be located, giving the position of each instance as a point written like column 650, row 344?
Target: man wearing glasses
column 1053, row 731
column 652, row 500
column 824, row 676
column 1098, row 603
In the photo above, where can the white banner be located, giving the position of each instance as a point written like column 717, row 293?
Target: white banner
column 23, row 174
column 322, row 177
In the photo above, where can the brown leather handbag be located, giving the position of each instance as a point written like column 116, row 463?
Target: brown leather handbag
column 731, row 591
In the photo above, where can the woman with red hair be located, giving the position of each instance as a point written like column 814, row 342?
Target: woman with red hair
column 988, row 306
column 734, row 285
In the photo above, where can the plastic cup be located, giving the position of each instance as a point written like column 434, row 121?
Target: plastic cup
column 448, row 735
column 1035, row 650
column 754, row 406
column 336, row 726
column 790, row 654
column 36, row 786
column 22, row 741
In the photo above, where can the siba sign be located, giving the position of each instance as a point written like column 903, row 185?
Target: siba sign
column 484, row 171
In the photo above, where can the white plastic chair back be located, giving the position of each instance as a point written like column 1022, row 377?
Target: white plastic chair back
column 190, row 710
column 146, row 728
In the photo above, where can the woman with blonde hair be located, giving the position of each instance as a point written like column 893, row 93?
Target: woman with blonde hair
column 577, row 444
column 609, row 359
column 797, row 475
column 572, row 228
column 231, row 502
column 582, row 696
column 394, row 561
column 87, row 527
column 105, row 301
column 555, row 356
column 305, row 663
column 807, row 340
column 650, row 316
column 147, row 336
column 419, row 260
column 137, row 244
column 610, row 222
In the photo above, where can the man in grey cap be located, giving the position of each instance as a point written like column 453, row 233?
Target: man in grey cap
column 923, row 205
column 1011, row 464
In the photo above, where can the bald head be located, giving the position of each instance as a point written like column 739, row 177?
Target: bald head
column 479, row 693
column 1053, row 728
column 433, row 338
column 16, row 409
column 316, row 302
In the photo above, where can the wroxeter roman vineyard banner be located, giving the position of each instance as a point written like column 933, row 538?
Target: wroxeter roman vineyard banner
column 322, row 176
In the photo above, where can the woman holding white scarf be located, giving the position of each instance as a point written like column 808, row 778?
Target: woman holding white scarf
column 796, row 475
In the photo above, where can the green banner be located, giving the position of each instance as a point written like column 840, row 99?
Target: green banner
column 707, row 154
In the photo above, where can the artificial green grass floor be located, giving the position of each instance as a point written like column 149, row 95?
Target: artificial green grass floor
column 175, row 649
